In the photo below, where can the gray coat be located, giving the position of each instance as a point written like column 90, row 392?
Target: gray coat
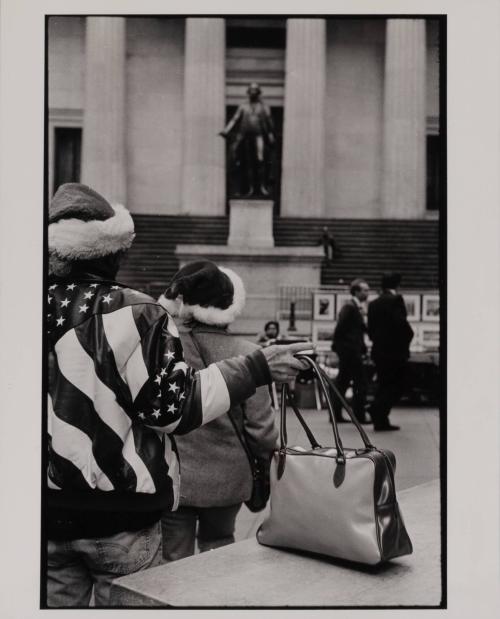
column 214, row 467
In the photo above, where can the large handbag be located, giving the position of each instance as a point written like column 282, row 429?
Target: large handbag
column 334, row 501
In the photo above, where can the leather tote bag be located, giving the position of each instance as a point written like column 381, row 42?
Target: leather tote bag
column 334, row 501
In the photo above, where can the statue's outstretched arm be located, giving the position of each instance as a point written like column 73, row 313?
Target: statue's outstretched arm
column 231, row 124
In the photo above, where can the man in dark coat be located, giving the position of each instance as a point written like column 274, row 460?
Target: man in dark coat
column 349, row 344
column 391, row 335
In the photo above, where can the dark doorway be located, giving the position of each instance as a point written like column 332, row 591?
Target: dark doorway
column 67, row 159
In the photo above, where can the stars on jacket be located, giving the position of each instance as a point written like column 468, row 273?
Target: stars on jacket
column 70, row 303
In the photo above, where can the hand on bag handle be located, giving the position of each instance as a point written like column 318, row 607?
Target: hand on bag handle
column 283, row 362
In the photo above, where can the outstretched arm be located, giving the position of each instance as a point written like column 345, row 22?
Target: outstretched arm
column 232, row 123
column 173, row 398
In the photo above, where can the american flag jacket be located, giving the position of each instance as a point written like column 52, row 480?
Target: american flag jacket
column 118, row 390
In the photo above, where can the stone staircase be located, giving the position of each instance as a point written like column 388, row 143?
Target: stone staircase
column 367, row 248
column 151, row 262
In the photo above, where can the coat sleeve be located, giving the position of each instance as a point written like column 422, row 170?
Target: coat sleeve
column 173, row 398
column 400, row 314
column 371, row 320
column 258, row 422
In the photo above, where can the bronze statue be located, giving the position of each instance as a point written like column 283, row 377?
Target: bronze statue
column 254, row 136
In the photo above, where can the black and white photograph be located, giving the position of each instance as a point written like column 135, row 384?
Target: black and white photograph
column 342, row 299
column 180, row 149
column 250, row 379
column 412, row 303
column 323, row 306
column 429, row 337
column 430, row 307
column 322, row 334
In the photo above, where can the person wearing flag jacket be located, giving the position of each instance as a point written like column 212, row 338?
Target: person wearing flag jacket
column 118, row 390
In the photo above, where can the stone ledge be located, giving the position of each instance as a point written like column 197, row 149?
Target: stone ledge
column 311, row 255
column 248, row 575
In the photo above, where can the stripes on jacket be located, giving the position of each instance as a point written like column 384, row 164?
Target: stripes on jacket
column 118, row 388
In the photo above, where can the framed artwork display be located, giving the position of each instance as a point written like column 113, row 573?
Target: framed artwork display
column 429, row 337
column 323, row 306
column 430, row 307
column 322, row 334
column 342, row 299
column 412, row 302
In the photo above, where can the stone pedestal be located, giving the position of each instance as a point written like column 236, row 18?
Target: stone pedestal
column 203, row 176
column 245, row 574
column 103, row 149
column 303, row 168
column 251, row 223
column 263, row 271
column 404, row 151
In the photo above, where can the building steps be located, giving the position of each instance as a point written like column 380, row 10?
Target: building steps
column 366, row 247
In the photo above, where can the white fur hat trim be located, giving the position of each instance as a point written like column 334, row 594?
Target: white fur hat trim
column 209, row 315
column 74, row 239
column 172, row 306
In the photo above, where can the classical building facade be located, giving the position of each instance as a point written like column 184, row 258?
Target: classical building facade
column 135, row 105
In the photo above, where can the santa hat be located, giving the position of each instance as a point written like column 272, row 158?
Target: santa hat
column 201, row 290
column 83, row 225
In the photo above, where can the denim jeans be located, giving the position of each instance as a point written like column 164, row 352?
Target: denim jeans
column 76, row 566
column 215, row 529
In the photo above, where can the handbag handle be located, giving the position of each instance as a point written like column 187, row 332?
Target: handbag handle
column 285, row 398
column 324, row 380
column 324, row 377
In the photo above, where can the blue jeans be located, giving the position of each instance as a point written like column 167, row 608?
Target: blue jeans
column 215, row 529
column 75, row 566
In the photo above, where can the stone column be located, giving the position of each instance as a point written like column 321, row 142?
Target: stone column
column 303, row 168
column 203, row 176
column 103, row 149
column 404, row 146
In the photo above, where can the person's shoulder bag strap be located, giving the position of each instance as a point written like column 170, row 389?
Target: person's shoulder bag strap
column 239, row 434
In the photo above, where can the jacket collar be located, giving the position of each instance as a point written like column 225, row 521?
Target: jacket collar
column 199, row 327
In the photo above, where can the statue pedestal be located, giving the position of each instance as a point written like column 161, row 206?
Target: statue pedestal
column 251, row 223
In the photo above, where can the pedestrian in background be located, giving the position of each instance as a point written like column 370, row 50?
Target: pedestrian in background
column 391, row 335
column 271, row 332
column 329, row 245
column 349, row 344
column 216, row 474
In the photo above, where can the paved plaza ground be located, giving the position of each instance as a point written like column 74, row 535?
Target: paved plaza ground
column 416, row 447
